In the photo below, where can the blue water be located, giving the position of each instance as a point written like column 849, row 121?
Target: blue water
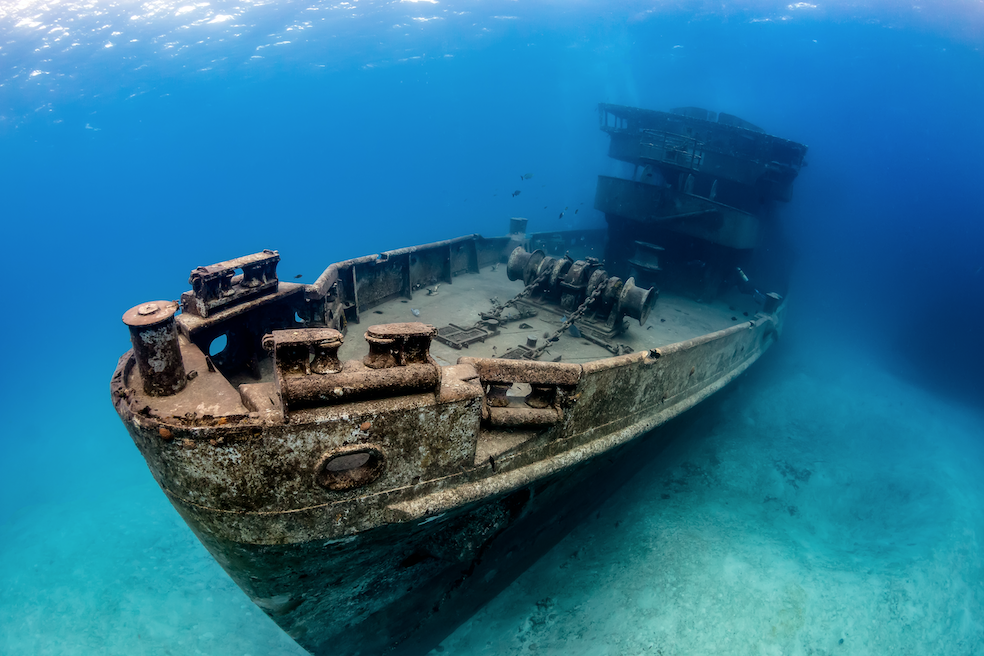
column 833, row 495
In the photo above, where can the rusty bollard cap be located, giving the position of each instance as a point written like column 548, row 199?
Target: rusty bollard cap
column 149, row 314
column 406, row 330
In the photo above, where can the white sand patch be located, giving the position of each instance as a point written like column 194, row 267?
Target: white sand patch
column 122, row 574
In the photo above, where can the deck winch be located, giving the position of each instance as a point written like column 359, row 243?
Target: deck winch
column 570, row 283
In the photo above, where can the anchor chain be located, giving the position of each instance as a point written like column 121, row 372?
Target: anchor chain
column 497, row 312
column 574, row 316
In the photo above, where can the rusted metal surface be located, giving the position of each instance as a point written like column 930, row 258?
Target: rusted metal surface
column 569, row 283
column 155, row 342
column 346, row 289
column 697, row 173
column 383, row 490
column 620, row 391
column 309, row 373
column 579, row 290
column 369, row 498
column 676, row 210
column 551, row 390
column 305, row 351
column 217, row 286
column 517, row 371
column 399, row 345
column 459, row 337
column 696, row 141
column 359, row 382
column 429, row 425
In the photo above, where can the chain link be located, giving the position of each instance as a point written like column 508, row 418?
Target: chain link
column 548, row 342
column 497, row 312
column 574, row 316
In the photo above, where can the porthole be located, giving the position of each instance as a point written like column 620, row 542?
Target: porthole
column 350, row 467
column 218, row 345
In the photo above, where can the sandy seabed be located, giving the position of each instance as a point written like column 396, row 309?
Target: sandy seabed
column 816, row 508
column 832, row 511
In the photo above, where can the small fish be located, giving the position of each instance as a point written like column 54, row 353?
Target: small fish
column 526, row 176
column 561, row 216
column 565, row 208
column 433, row 290
column 544, row 207
column 516, row 193
column 495, row 266
column 575, row 211
column 300, row 275
column 415, row 311
column 575, row 332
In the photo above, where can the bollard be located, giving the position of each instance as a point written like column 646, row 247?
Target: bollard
column 398, row 344
column 155, row 345
column 517, row 227
column 772, row 302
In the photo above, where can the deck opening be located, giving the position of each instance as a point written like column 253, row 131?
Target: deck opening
column 350, row 469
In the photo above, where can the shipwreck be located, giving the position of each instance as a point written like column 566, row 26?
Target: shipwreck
column 370, row 488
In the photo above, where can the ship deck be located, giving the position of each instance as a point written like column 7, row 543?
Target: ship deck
column 673, row 319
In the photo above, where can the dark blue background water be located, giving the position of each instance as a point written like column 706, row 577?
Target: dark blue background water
column 187, row 142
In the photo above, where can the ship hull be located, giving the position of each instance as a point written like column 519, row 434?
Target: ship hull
column 402, row 590
column 396, row 570
column 371, row 491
